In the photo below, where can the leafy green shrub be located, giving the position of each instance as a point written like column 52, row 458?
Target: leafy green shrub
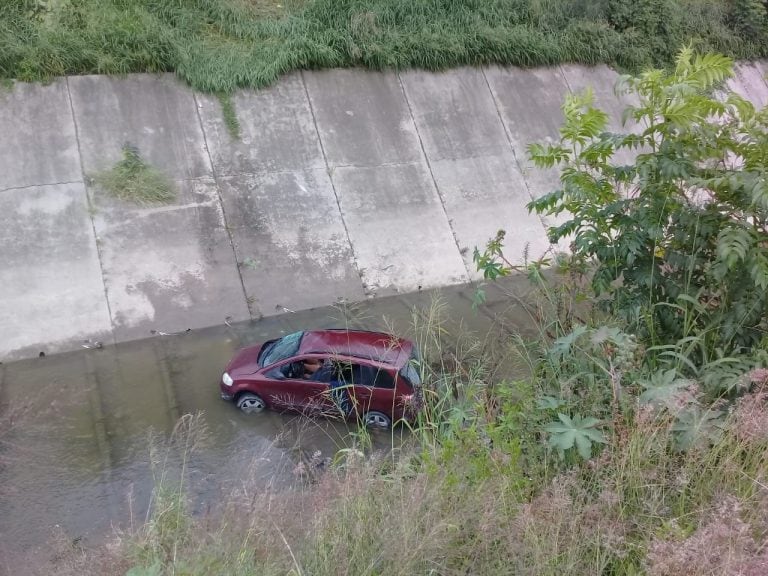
column 749, row 18
column 677, row 238
column 668, row 222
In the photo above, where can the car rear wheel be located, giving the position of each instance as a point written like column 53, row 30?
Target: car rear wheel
column 377, row 420
column 250, row 403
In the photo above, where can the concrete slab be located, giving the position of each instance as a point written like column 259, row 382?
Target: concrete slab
column 290, row 240
column 476, row 172
column 38, row 145
column 156, row 113
column 168, row 268
column 277, row 132
column 51, row 291
column 398, row 228
column 602, row 81
column 530, row 101
column 749, row 82
column 455, row 114
column 362, row 117
column 484, row 195
column 762, row 66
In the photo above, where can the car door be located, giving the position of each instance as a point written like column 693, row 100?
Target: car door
column 382, row 391
column 288, row 390
column 373, row 388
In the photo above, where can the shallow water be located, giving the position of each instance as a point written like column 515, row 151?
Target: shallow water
column 76, row 458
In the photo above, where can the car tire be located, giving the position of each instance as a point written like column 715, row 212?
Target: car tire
column 250, row 403
column 377, row 420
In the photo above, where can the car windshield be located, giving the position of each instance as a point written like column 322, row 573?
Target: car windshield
column 412, row 368
column 281, row 349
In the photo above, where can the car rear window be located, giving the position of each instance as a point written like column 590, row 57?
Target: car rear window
column 411, row 370
column 281, row 349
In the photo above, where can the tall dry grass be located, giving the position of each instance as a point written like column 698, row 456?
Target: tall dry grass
column 638, row 508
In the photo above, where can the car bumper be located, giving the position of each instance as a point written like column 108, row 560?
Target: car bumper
column 226, row 393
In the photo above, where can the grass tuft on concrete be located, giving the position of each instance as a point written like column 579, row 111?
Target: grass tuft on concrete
column 132, row 180
column 229, row 113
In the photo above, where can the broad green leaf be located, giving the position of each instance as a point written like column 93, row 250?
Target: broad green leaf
column 576, row 432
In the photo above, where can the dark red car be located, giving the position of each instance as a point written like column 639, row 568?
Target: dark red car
column 346, row 373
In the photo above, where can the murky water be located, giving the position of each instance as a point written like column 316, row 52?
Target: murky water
column 76, row 457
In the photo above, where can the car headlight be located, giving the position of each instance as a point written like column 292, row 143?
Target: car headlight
column 227, row 379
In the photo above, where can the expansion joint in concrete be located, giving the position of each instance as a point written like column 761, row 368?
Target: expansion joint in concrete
column 432, row 177
column 250, row 303
column 565, row 79
column 333, row 185
column 91, row 212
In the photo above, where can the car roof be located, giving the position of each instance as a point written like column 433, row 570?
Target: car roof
column 377, row 346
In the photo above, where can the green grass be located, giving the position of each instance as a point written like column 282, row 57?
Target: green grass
column 220, row 45
column 230, row 114
column 132, row 180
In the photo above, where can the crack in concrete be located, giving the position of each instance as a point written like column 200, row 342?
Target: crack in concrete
column 250, row 303
column 149, row 212
column 432, row 177
column 87, row 180
column 29, row 186
column 91, row 211
column 329, row 171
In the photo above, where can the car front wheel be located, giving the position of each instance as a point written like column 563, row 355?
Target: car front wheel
column 377, row 420
column 250, row 403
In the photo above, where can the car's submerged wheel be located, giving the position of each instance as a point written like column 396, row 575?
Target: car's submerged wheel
column 250, row 403
column 377, row 420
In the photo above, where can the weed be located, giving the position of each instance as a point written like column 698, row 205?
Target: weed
column 230, row 115
column 132, row 180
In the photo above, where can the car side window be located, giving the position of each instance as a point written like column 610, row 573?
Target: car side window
column 327, row 370
column 340, row 371
column 383, row 379
column 290, row 370
column 275, row 373
column 364, row 375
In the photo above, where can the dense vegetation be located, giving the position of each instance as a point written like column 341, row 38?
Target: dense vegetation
column 218, row 45
column 634, row 439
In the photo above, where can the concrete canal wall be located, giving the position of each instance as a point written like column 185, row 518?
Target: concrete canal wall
column 344, row 184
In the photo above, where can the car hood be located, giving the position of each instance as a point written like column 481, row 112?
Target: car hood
column 245, row 361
